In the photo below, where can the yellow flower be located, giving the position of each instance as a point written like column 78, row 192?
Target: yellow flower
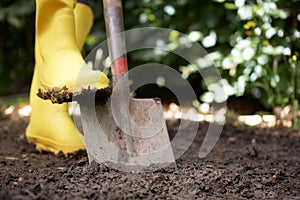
column 249, row 33
column 294, row 58
column 249, row 25
column 255, row 9
column 266, row 43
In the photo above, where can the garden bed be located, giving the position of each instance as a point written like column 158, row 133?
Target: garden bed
column 246, row 163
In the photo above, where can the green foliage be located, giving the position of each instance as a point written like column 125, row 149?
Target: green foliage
column 16, row 44
column 264, row 52
column 254, row 43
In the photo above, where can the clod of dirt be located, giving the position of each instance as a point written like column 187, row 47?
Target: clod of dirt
column 253, row 150
column 64, row 95
column 77, row 155
column 98, row 96
column 37, row 189
column 56, row 95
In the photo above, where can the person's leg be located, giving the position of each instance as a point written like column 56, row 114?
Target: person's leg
column 56, row 38
column 58, row 61
column 84, row 19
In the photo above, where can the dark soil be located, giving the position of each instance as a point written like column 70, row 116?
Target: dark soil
column 237, row 168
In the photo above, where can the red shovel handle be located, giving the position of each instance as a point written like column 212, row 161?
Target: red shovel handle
column 113, row 15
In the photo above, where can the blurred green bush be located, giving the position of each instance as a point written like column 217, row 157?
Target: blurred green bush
column 254, row 43
column 16, row 45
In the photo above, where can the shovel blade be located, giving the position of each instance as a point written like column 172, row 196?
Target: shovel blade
column 106, row 141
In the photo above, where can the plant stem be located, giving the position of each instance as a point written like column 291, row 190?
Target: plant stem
column 295, row 103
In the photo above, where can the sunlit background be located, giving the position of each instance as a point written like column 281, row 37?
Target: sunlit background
column 255, row 44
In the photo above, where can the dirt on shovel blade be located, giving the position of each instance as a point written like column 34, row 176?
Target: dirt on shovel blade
column 63, row 95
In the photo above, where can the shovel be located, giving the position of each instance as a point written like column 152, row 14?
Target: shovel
column 126, row 133
column 123, row 132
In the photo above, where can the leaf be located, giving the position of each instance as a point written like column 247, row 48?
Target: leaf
column 219, row 1
column 14, row 21
column 21, row 8
column 230, row 6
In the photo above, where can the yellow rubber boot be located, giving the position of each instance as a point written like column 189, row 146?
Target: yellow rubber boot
column 84, row 19
column 51, row 127
column 56, row 37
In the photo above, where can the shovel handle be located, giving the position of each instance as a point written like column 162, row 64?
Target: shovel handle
column 113, row 16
